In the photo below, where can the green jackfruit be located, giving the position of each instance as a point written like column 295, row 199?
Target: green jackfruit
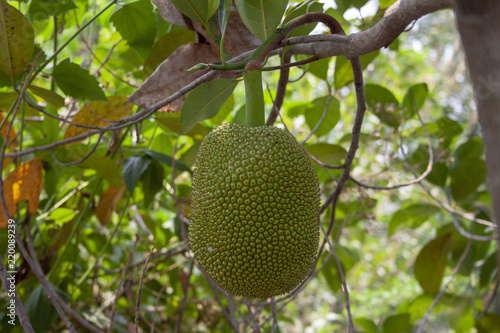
column 255, row 210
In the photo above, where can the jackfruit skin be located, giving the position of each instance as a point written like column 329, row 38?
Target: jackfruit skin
column 254, row 211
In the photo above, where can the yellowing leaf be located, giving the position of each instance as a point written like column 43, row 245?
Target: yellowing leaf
column 96, row 114
column 24, row 183
column 16, row 40
column 12, row 135
column 108, row 202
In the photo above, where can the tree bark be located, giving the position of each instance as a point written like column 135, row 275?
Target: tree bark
column 479, row 26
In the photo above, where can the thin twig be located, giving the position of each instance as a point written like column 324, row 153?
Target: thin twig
column 138, row 302
column 427, row 171
column 468, row 216
column 184, row 299
column 61, row 119
column 55, row 299
column 280, row 91
column 229, row 316
column 356, row 132
column 21, row 313
column 275, row 316
column 490, row 300
column 346, row 292
column 120, row 284
column 80, row 160
column 468, row 235
column 255, row 323
column 167, row 255
column 51, row 294
column 181, row 216
column 442, row 291
column 291, row 64
column 323, row 115
column 105, row 60
column 157, row 301
column 31, row 248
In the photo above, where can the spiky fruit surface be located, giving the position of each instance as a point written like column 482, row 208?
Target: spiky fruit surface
column 255, row 210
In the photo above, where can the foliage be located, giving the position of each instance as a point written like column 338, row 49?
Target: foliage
column 92, row 204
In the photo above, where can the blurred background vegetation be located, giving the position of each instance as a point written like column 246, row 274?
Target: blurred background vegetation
column 98, row 220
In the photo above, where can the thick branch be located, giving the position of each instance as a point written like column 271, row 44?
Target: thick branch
column 396, row 19
column 479, row 25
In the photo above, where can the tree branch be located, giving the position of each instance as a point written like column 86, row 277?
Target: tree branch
column 478, row 25
column 395, row 20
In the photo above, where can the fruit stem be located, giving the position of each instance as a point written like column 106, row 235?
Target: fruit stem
column 254, row 96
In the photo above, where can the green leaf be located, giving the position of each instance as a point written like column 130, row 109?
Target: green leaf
column 488, row 270
column 165, row 46
column 167, row 160
column 173, row 124
column 152, row 182
column 16, row 40
column 398, row 323
column 383, row 104
column 439, row 174
column 490, row 323
column 420, row 160
column 136, row 22
column 460, row 316
column 331, row 273
column 133, row 168
column 301, row 9
column 364, row 325
column 205, row 101
column 315, row 111
column 7, row 99
column 224, row 111
column 418, row 306
column 386, row 3
column 224, row 12
column 62, row 215
column 343, row 69
column 431, row 263
column 327, row 153
column 444, row 128
column 189, row 156
column 471, row 148
column 103, row 166
column 411, row 217
column 200, row 11
column 469, row 174
column 40, row 10
column 48, row 95
column 161, row 235
column 415, row 98
column 94, row 242
column 319, row 68
column 77, row 82
column 261, row 17
column 39, row 310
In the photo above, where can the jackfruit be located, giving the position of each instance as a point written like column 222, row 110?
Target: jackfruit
column 255, row 210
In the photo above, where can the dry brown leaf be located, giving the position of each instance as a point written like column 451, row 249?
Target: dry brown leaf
column 171, row 76
column 238, row 38
column 24, row 183
column 107, row 203
column 98, row 113
column 171, row 14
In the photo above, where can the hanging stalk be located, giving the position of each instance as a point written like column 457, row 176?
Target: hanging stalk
column 254, row 96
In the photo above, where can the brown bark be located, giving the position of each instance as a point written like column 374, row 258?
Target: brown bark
column 479, row 25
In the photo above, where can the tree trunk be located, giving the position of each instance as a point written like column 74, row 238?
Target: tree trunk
column 479, row 25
